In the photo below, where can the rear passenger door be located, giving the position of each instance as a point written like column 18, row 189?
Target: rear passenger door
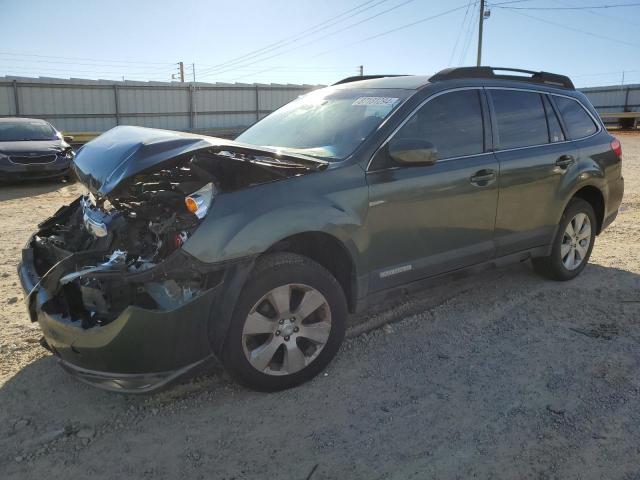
column 534, row 156
column 428, row 219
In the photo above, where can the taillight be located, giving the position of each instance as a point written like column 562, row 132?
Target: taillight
column 616, row 147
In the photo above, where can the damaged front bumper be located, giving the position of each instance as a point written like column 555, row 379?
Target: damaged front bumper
column 141, row 349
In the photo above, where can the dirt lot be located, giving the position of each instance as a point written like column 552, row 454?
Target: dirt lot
column 503, row 375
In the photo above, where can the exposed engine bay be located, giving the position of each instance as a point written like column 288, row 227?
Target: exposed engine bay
column 103, row 252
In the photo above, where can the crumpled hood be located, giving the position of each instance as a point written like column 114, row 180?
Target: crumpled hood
column 104, row 164
column 32, row 146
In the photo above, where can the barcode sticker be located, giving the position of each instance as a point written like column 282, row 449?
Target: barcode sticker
column 366, row 101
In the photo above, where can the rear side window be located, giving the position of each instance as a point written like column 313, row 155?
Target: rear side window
column 578, row 122
column 520, row 118
column 451, row 122
column 555, row 130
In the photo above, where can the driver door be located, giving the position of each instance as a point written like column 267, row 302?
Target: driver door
column 428, row 219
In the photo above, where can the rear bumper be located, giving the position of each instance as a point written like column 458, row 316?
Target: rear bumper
column 616, row 191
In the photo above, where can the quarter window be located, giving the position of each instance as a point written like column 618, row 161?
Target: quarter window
column 520, row 118
column 451, row 122
column 578, row 122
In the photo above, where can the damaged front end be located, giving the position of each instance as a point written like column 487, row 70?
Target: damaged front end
column 96, row 257
column 106, row 276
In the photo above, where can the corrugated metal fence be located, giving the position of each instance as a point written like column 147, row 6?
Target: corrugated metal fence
column 96, row 106
column 617, row 98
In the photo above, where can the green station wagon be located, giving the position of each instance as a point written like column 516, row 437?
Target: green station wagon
column 256, row 250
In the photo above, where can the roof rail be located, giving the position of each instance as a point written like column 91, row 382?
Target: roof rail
column 490, row 72
column 357, row 78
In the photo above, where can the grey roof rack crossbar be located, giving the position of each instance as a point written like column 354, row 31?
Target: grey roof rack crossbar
column 490, row 72
column 357, row 78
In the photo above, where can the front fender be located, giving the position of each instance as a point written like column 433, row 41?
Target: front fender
column 238, row 236
column 249, row 221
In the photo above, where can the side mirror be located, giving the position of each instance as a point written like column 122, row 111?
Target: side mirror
column 68, row 138
column 412, row 151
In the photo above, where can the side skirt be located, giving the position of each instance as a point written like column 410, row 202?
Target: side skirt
column 422, row 284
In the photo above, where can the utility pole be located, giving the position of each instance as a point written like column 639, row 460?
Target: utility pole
column 361, row 68
column 193, row 70
column 479, row 61
column 180, row 74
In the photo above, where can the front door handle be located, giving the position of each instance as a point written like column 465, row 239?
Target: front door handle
column 484, row 177
column 565, row 161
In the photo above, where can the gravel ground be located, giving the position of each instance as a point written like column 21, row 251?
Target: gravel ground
column 501, row 375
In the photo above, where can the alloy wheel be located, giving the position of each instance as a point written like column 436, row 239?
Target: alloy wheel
column 576, row 241
column 286, row 329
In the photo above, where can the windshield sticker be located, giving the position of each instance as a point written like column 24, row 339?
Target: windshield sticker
column 366, row 101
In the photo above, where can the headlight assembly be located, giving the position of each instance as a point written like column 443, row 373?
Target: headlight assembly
column 199, row 201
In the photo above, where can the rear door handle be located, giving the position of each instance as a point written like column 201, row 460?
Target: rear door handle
column 565, row 161
column 484, row 177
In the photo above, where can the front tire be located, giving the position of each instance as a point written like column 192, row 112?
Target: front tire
column 287, row 325
column 572, row 245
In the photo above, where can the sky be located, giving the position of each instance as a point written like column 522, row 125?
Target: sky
column 315, row 41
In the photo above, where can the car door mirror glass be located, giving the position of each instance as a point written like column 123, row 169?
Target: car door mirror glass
column 412, row 151
column 68, row 138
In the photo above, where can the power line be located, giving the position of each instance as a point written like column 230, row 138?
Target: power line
column 387, row 32
column 468, row 36
column 604, row 73
column 601, row 14
column 393, row 30
column 97, row 70
column 293, row 38
column 31, row 71
column 105, row 72
column 83, row 58
column 508, row 2
column 62, row 76
column 295, row 67
column 315, row 40
column 584, row 32
column 498, row 5
column 455, row 45
column 57, row 62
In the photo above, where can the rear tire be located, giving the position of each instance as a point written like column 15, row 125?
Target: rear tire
column 572, row 245
column 288, row 323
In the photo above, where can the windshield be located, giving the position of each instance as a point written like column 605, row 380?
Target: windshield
column 328, row 123
column 19, row 131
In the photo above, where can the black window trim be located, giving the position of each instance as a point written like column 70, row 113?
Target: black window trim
column 550, row 94
column 554, row 112
column 487, row 142
column 564, row 125
column 489, row 148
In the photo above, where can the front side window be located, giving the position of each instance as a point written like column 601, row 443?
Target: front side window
column 28, row 130
column 329, row 123
column 520, row 118
column 578, row 122
column 451, row 122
